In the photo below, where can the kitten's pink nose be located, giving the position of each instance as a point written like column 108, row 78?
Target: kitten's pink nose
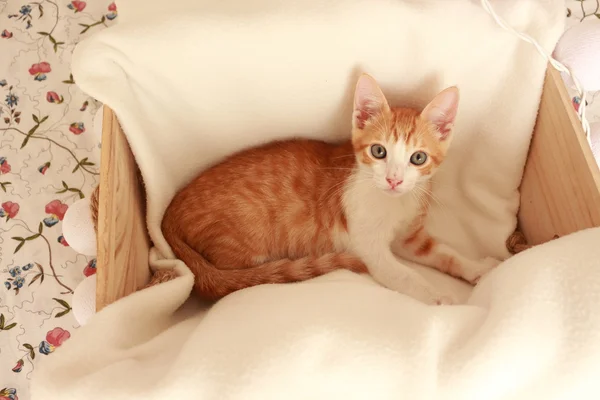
column 393, row 182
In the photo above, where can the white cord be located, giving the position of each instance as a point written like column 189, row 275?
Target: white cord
column 557, row 65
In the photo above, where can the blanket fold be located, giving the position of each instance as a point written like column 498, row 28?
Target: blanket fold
column 531, row 330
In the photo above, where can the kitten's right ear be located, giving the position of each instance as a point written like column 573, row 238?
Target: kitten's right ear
column 442, row 110
column 368, row 101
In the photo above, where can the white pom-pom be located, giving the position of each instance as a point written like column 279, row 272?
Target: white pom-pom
column 78, row 228
column 579, row 49
column 595, row 140
column 84, row 300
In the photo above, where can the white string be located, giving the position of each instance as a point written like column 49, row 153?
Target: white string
column 557, row 65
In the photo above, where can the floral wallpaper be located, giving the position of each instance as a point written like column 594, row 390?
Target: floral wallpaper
column 49, row 155
column 579, row 11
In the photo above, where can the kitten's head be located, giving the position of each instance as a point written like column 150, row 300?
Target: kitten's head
column 400, row 147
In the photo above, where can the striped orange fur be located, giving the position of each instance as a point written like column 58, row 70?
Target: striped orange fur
column 292, row 210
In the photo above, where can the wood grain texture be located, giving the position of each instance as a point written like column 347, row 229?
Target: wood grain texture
column 560, row 187
column 123, row 242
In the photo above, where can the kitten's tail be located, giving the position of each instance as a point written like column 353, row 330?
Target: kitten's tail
column 212, row 283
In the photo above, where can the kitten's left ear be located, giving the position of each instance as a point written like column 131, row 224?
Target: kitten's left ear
column 442, row 110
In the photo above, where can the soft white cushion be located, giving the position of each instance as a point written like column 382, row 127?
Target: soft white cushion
column 193, row 83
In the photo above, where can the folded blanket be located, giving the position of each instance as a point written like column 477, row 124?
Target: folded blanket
column 195, row 82
column 531, row 330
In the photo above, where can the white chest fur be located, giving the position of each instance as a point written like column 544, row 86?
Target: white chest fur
column 374, row 216
column 374, row 220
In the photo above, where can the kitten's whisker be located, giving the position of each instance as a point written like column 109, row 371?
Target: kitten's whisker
column 433, row 197
column 436, row 199
column 422, row 193
column 423, row 200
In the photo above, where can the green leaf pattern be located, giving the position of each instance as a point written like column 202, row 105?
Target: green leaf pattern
column 49, row 159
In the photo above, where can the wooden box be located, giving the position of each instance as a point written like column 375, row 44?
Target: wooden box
column 560, row 192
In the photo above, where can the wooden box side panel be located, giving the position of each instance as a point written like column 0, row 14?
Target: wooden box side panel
column 123, row 242
column 560, row 187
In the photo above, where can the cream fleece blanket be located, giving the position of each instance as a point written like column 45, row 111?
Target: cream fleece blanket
column 531, row 330
column 196, row 81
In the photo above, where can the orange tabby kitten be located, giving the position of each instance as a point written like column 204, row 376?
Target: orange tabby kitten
column 292, row 210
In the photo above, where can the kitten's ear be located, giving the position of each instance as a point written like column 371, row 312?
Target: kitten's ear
column 442, row 110
column 368, row 101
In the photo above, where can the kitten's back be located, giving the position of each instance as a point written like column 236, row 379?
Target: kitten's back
column 271, row 214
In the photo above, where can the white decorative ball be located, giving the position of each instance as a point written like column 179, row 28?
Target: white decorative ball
column 579, row 49
column 78, row 228
column 595, row 140
column 84, row 300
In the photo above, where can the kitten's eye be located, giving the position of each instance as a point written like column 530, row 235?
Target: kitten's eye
column 378, row 151
column 418, row 158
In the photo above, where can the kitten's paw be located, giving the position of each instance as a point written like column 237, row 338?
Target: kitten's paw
column 480, row 268
column 415, row 286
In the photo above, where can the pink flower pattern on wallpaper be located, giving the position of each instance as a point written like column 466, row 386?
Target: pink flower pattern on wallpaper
column 9, row 210
column 4, row 166
column 49, row 155
column 77, row 128
column 53, row 97
column 77, row 5
column 40, row 70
